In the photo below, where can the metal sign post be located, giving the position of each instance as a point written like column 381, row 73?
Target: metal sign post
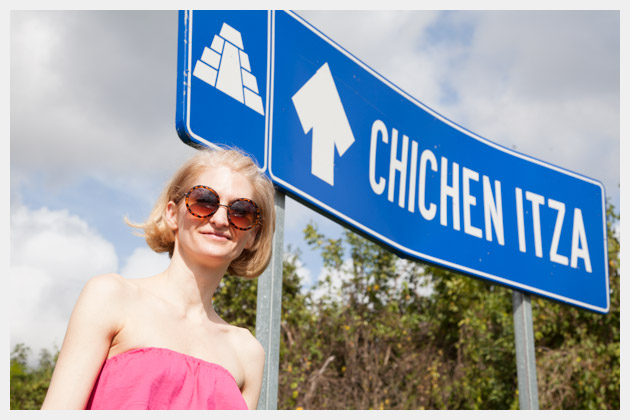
column 268, row 312
column 525, row 354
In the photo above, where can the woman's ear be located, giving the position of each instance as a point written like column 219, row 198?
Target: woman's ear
column 170, row 215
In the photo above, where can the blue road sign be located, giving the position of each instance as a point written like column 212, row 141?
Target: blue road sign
column 222, row 79
column 355, row 147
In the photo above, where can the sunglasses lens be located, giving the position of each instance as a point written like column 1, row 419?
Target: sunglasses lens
column 202, row 202
column 243, row 214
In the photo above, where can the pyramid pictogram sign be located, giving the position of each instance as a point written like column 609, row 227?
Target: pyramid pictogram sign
column 225, row 65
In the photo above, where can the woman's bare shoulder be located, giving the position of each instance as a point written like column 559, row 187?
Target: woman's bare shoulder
column 108, row 289
column 247, row 345
column 109, row 284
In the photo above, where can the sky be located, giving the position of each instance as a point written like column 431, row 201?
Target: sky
column 92, row 133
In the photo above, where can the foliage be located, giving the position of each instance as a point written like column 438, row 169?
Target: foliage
column 235, row 301
column 374, row 342
column 578, row 352
column 29, row 384
column 392, row 334
column 379, row 343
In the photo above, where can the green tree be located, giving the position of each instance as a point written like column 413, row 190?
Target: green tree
column 235, row 301
column 471, row 322
column 375, row 342
column 577, row 351
column 28, row 385
column 355, row 351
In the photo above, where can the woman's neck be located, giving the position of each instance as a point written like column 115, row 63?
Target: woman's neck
column 191, row 286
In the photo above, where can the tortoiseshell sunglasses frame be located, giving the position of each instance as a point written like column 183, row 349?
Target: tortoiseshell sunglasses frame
column 257, row 221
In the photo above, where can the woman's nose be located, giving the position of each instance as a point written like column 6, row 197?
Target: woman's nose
column 220, row 217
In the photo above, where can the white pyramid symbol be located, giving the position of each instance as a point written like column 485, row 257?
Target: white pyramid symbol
column 225, row 65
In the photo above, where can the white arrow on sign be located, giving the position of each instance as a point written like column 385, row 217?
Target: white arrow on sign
column 319, row 108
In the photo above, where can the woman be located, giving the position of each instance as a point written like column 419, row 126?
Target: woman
column 157, row 343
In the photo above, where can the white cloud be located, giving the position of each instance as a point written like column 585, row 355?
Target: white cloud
column 303, row 273
column 91, row 98
column 53, row 254
column 330, row 281
column 144, row 262
column 58, row 242
column 29, row 318
column 545, row 82
column 403, row 267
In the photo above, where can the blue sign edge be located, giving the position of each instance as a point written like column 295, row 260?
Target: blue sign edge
column 398, row 249
column 182, row 114
column 183, row 74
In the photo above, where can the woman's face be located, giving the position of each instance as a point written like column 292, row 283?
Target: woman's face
column 213, row 240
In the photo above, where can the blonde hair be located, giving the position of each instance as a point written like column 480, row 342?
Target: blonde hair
column 253, row 261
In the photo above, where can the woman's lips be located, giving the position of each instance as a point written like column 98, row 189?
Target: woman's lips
column 217, row 235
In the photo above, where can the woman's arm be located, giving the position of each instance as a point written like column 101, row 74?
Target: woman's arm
column 253, row 356
column 93, row 323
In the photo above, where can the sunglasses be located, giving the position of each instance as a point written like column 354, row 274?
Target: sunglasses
column 203, row 202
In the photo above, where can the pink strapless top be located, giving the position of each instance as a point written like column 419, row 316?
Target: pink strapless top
column 154, row 378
